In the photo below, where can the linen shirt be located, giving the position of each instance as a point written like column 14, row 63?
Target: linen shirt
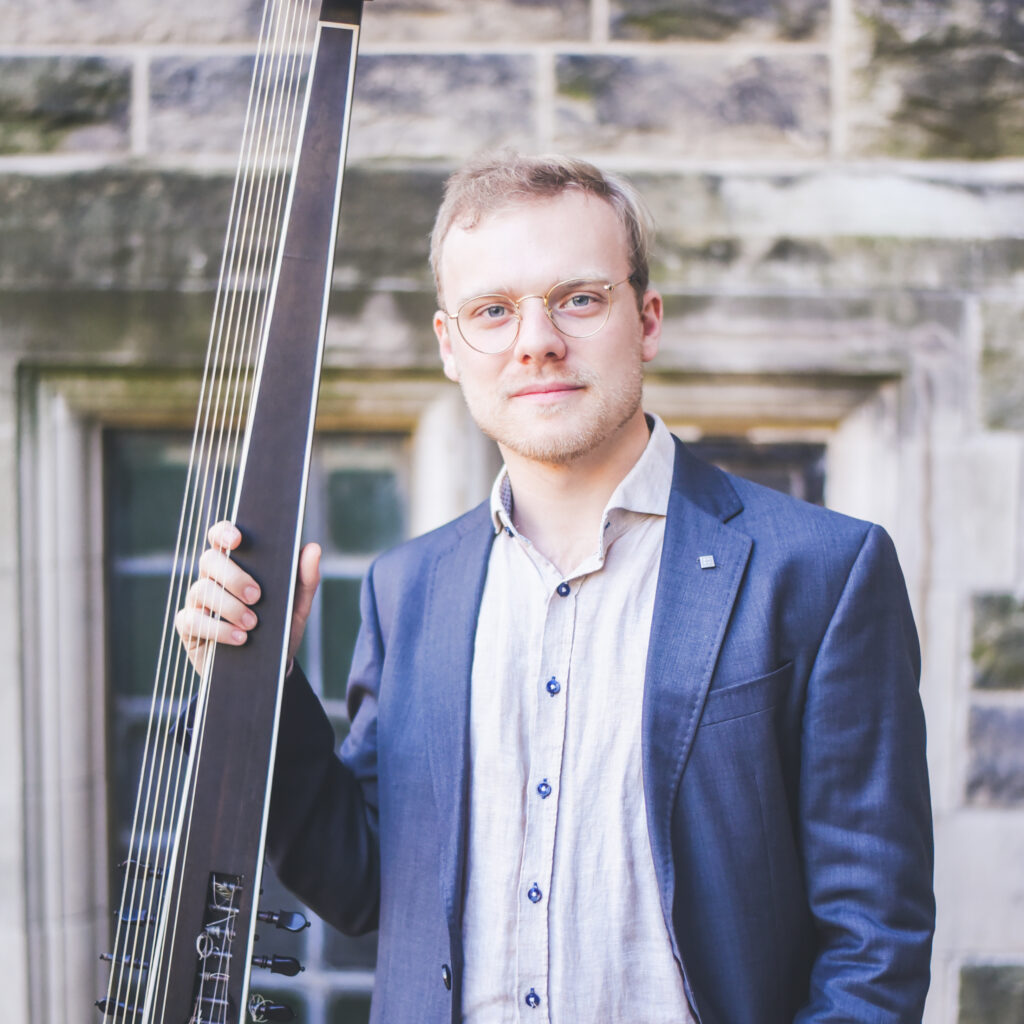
column 562, row 920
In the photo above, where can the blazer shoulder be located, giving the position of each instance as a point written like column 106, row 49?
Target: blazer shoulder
column 774, row 520
column 412, row 557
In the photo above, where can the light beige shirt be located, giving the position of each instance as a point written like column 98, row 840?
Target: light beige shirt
column 562, row 918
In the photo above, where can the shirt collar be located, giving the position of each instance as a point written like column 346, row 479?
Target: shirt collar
column 645, row 489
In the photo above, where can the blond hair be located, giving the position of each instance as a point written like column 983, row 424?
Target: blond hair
column 495, row 181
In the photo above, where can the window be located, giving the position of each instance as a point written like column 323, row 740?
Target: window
column 356, row 507
column 796, row 468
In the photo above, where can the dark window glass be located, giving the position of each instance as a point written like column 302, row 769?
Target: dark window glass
column 794, row 468
column 356, row 507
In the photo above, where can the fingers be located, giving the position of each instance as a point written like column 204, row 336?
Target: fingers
column 216, row 605
column 228, row 575
column 197, row 627
column 224, row 535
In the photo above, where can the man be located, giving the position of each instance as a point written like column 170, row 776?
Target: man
column 633, row 741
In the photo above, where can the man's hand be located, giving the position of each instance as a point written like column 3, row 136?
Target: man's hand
column 218, row 605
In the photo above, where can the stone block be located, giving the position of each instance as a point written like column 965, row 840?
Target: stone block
column 974, row 489
column 658, row 20
column 128, row 329
column 1001, row 370
column 64, row 104
column 198, row 105
column 991, row 994
column 386, row 218
column 937, row 79
column 693, row 106
column 110, row 229
column 857, row 336
column 129, row 21
column 834, row 228
column 997, row 647
column 406, row 105
column 995, row 772
column 439, row 106
column 154, row 230
column 382, row 330
column 491, row 22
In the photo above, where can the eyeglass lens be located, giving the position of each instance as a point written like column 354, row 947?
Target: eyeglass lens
column 490, row 323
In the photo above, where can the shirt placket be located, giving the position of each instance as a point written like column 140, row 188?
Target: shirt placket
column 549, row 697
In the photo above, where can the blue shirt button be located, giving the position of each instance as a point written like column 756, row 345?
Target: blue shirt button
column 544, row 788
column 532, row 999
column 535, row 894
column 553, row 686
column 562, row 589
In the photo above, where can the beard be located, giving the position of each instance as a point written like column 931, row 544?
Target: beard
column 564, row 432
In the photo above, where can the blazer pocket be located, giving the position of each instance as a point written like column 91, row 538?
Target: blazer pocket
column 748, row 698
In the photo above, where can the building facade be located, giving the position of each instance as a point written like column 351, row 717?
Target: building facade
column 839, row 189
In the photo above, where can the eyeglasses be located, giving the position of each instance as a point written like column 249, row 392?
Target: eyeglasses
column 578, row 308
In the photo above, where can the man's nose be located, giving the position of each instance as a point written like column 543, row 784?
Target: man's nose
column 538, row 339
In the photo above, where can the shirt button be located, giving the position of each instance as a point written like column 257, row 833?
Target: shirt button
column 532, row 999
column 553, row 686
column 446, row 976
column 544, row 788
column 535, row 894
column 562, row 589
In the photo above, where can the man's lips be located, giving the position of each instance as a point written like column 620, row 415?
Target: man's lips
column 546, row 390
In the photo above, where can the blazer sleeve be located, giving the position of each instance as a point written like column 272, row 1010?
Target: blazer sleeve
column 865, row 815
column 322, row 833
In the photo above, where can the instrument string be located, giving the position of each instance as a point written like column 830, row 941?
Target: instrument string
column 246, row 292
column 208, row 489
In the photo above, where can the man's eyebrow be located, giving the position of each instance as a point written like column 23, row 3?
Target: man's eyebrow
column 511, row 293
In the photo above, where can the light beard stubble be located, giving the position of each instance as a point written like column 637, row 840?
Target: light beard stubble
column 614, row 408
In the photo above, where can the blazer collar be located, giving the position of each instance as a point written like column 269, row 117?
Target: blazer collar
column 702, row 566
column 451, row 607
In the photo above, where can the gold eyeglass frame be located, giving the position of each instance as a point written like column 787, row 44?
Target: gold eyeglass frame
column 607, row 286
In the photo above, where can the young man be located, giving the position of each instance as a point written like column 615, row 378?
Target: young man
column 634, row 741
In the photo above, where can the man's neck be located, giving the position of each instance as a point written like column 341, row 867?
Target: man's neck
column 559, row 507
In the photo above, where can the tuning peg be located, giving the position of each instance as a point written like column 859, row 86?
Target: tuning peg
column 125, row 961
column 264, row 1011
column 288, row 920
column 139, row 916
column 181, row 730
column 286, row 965
column 111, row 1009
column 146, row 869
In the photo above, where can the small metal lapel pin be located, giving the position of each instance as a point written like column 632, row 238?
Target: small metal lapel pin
column 706, row 561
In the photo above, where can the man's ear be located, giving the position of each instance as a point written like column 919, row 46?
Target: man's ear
column 651, row 314
column 444, row 344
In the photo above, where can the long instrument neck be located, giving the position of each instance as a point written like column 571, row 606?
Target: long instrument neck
column 188, row 959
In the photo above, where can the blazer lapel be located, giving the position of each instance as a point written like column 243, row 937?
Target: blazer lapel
column 691, row 611
column 452, row 605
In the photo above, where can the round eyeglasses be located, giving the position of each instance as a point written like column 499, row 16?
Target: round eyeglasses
column 578, row 308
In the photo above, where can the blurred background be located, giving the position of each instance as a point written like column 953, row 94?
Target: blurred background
column 839, row 189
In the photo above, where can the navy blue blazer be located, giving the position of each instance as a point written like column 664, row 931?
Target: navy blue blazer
column 783, row 753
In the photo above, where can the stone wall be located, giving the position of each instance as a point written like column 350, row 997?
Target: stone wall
column 839, row 186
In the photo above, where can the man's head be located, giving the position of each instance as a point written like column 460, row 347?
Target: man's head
column 496, row 181
column 543, row 322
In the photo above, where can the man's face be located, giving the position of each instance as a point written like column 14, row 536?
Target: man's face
column 549, row 398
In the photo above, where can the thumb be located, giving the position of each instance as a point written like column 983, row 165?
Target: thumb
column 307, row 581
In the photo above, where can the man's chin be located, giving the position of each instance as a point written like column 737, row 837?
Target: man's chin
column 559, row 447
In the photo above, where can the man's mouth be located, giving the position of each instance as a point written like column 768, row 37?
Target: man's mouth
column 546, row 391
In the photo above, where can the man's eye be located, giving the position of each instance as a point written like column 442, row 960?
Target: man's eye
column 582, row 301
column 489, row 311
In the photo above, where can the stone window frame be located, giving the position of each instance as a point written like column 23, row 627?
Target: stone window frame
column 62, row 414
